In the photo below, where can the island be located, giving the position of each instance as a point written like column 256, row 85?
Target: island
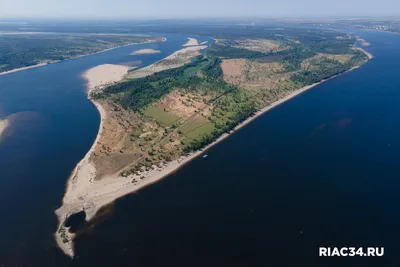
column 145, row 52
column 156, row 119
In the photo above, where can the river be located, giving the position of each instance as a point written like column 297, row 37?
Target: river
column 52, row 126
column 321, row 169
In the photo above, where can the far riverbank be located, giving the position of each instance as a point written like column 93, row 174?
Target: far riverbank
column 86, row 55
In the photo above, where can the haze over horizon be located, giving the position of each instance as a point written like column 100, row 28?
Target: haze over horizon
column 184, row 9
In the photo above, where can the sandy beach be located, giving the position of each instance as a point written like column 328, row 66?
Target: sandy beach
column 85, row 193
column 191, row 42
column 176, row 60
column 104, row 74
column 80, row 185
column 3, row 126
column 370, row 56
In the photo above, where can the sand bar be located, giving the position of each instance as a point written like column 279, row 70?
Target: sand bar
column 80, row 186
column 369, row 55
column 176, row 60
column 191, row 42
column 104, row 74
column 145, row 52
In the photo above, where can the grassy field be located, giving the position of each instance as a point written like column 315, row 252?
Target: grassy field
column 161, row 116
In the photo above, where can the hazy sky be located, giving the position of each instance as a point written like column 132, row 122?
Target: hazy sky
column 200, row 8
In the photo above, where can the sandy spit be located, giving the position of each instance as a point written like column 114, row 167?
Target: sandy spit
column 83, row 193
column 80, row 185
column 25, row 68
column 176, row 60
column 369, row 55
column 191, row 41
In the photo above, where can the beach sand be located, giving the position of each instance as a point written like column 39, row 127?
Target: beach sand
column 370, row 56
column 176, row 60
column 191, row 42
column 80, row 186
column 3, row 125
column 84, row 193
column 145, row 52
column 104, row 74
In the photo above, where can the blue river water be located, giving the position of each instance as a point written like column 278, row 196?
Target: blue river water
column 52, row 126
column 322, row 169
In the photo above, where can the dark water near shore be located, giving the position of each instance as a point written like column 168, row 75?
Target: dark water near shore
column 320, row 170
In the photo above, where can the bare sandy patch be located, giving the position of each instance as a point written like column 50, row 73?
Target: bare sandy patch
column 191, row 42
column 182, row 105
column 145, row 52
column 104, row 74
column 369, row 55
column 3, row 125
column 233, row 70
column 251, row 74
column 176, row 60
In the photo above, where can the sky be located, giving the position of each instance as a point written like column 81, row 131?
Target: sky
column 134, row 9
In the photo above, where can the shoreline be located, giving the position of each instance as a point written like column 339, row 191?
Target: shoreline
column 163, row 39
column 158, row 66
column 83, row 193
column 369, row 55
column 191, row 42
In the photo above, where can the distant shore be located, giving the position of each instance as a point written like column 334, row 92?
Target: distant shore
column 86, row 55
column 84, row 193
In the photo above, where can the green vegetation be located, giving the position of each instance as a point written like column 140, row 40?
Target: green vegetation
column 225, row 51
column 190, row 106
column 202, row 80
column 19, row 50
column 325, row 68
